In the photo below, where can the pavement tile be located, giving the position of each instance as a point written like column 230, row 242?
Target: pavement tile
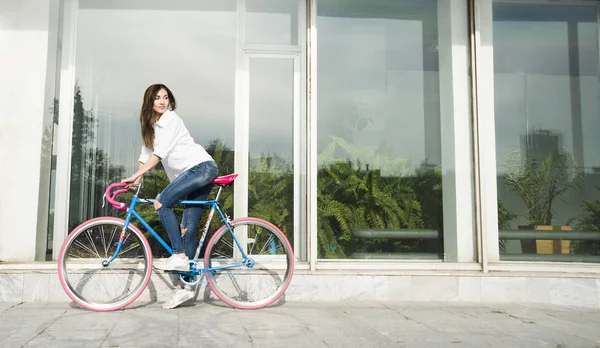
column 344, row 330
column 154, row 336
column 7, row 305
column 20, row 320
column 87, row 320
column 445, row 321
column 69, row 338
column 195, row 335
column 429, row 338
column 17, row 337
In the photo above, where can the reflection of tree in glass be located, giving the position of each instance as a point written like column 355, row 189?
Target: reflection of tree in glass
column 270, row 186
column 48, row 164
column 504, row 219
column 540, row 181
column 351, row 196
column 91, row 168
column 271, row 192
column 588, row 220
column 427, row 184
column 224, row 157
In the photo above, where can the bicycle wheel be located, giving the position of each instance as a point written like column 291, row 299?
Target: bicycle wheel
column 104, row 288
column 249, row 286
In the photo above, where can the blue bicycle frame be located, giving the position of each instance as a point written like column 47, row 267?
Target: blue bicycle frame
column 214, row 204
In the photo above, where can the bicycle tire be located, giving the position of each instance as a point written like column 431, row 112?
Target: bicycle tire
column 280, row 256
column 77, row 266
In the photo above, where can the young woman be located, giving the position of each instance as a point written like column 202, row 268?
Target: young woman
column 190, row 170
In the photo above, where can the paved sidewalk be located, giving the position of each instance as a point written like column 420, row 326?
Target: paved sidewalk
column 340, row 324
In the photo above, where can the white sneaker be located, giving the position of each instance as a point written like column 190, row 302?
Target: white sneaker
column 174, row 263
column 179, row 296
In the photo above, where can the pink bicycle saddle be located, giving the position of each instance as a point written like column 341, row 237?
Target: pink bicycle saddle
column 225, row 179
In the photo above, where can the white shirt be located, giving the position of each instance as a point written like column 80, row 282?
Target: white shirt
column 174, row 145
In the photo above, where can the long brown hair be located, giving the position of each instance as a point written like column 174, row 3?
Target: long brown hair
column 148, row 116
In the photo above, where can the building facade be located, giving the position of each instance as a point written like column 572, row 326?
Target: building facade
column 419, row 143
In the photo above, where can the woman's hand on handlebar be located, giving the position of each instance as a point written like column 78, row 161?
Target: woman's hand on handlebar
column 132, row 182
column 143, row 168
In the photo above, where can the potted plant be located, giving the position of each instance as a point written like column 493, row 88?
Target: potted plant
column 539, row 182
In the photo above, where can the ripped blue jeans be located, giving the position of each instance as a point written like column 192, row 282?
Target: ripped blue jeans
column 193, row 184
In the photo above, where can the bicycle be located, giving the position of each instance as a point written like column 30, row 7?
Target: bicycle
column 248, row 262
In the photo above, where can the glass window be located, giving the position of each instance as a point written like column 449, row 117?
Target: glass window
column 189, row 46
column 546, row 120
column 394, row 136
column 272, row 22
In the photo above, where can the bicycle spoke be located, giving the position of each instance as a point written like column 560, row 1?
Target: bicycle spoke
column 220, row 253
column 278, row 250
column 112, row 236
column 126, row 237
column 91, row 240
column 229, row 244
column 267, row 243
column 80, row 244
column 104, row 244
column 133, row 246
column 257, row 237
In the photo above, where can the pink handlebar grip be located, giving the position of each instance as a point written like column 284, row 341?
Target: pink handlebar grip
column 110, row 196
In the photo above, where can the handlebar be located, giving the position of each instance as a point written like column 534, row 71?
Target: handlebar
column 111, row 196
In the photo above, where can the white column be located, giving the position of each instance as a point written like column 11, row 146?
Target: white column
column 484, row 44
column 311, row 167
column 24, row 33
column 456, row 134
column 242, row 122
